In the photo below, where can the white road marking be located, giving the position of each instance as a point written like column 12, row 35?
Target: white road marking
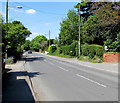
column 45, row 60
column 63, row 68
column 86, row 66
column 91, row 80
column 51, row 63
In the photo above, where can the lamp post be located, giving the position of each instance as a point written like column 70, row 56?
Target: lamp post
column 19, row 7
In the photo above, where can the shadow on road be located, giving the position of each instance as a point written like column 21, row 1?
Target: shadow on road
column 16, row 89
column 30, row 59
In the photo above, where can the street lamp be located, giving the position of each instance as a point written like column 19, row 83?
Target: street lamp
column 19, row 7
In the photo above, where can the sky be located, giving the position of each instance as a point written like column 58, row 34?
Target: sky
column 40, row 17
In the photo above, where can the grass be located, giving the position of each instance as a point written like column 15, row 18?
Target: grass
column 96, row 59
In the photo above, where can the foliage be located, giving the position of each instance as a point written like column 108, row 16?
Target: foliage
column 69, row 49
column 26, row 45
column 102, row 24
column 43, row 45
column 113, row 46
column 52, row 49
column 92, row 50
column 13, row 37
column 35, row 43
column 69, row 28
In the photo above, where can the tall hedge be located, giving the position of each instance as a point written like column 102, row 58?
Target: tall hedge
column 92, row 50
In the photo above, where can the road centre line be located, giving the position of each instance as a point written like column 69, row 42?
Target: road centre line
column 51, row 63
column 45, row 60
column 91, row 80
column 62, row 68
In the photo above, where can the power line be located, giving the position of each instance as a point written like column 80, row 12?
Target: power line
column 39, row 10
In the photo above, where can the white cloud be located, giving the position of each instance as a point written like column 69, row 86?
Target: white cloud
column 30, row 11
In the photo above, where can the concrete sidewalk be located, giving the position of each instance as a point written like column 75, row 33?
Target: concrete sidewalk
column 16, row 85
column 109, row 67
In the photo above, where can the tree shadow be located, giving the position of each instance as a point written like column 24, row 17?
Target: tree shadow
column 30, row 59
column 16, row 89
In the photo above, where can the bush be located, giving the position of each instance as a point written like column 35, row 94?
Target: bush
column 59, row 50
column 52, row 48
column 113, row 47
column 69, row 49
column 92, row 50
column 85, row 50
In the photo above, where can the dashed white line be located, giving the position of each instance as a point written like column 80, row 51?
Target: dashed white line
column 51, row 63
column 91, row 80
column 45, row 60
column 63, row 68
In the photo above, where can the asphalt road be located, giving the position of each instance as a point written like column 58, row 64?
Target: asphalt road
column 64, row 81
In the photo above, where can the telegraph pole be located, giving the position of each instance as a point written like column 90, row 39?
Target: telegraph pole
column 6, row 11
column 6, row 25
column 49, row 37
column 79, row 29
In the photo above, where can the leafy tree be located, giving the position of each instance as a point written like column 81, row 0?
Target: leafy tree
column 103, row 25
column 14, row 35
column 35, row 43
column 26, row 45
column 69, row 28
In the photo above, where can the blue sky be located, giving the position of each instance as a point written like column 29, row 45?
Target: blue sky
column 39, row 17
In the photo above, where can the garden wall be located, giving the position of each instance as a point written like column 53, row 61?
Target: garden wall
column 111, row 57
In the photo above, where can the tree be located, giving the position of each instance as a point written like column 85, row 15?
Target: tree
column 14, row 35
column 26, row 45
column 35, row 43
column 69, row 28
column 103, row 25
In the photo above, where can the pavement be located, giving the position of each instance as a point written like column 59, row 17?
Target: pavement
column 17, row 86
column 109, row 67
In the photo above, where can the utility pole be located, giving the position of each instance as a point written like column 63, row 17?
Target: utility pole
column 6, row 25
column 6, row 11
column 79, row 29
column 49, row 37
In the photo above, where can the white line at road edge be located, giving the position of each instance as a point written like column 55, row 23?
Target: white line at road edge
column 91, row 80
column 63, row 68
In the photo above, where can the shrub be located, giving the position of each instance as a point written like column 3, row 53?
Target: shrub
column 52, row 48
column 59, row 50
column 92, row 50
column 113, row 47
column 85, row 50
column 69, row 49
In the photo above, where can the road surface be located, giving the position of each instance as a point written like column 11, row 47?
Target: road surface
column 63, row 81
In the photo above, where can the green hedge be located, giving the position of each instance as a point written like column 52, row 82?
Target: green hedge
column 52, row 48
column 92, row 50
column 114, row 47
column 69, row 49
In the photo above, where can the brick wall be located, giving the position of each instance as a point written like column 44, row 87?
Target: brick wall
column 111, row 57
